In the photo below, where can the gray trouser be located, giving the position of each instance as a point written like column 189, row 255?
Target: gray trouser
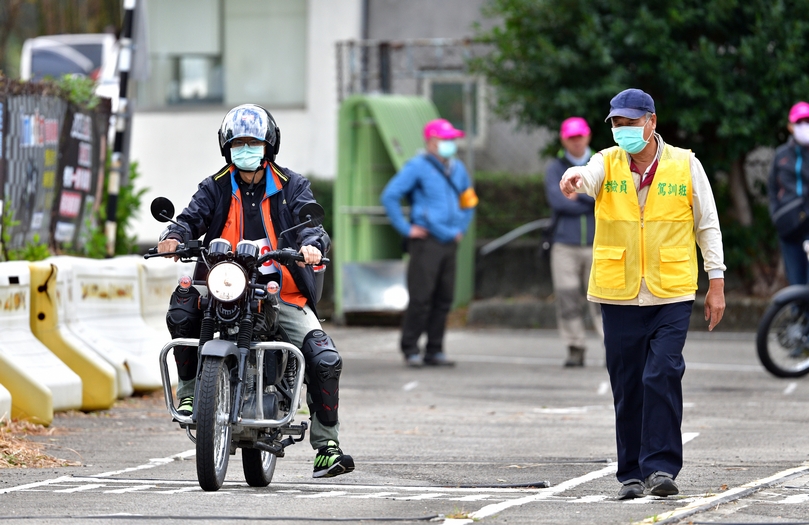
column 297, row 323
column 570, row 268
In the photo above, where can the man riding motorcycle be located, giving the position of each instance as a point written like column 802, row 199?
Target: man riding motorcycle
column 252, row 198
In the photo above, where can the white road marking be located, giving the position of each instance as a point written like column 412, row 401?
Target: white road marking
column 410, row 386
column 797, row 498
column 152, row 463
column 130, row 489
column 790, row 388
column 36, row 484
column 82, row 488
column 490, row 510
column 725, row 497
column 544, row 494
column 373, row 496
column 420, row 497
column 603, row 388
column 329, row 494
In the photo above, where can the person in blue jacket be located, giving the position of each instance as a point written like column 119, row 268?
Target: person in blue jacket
column 572, row 236
column 442, row 201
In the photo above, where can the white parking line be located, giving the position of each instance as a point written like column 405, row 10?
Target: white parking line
column 490, row 510
column 410, row 386
column 330, row 494
column 152, row 463
column 790, row 388
column 728, row 496
column 549, row 492
column 129, row 489
column 81, row 488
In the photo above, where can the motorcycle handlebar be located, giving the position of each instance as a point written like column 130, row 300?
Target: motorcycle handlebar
column 282, row 256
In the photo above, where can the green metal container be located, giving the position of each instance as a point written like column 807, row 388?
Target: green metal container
column 377, row 135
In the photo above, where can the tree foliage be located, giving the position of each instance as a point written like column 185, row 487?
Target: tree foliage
column 723, row 73
column 22, row 19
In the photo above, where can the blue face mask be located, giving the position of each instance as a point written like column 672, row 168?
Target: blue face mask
column 630, row 138
column 247, row 158
column 447, row 148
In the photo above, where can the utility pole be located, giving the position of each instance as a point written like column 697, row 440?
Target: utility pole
column 122, row 117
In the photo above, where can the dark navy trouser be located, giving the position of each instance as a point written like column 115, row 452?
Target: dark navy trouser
column 644, row 347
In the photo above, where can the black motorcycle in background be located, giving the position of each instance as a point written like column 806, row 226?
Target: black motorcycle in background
column 782, row 339
column 249, row 376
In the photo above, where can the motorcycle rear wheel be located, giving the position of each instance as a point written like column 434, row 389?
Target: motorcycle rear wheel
column 258, row 466
column 782, row 341
column 213, row 425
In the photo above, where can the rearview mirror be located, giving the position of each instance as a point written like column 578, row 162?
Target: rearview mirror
column 162, row 209
column 313, row 213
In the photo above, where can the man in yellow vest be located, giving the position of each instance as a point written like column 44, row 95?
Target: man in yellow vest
column 653, row 206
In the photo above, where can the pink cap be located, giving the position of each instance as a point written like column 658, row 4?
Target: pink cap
column 574, row 126
column 441, row 128
column 799, row 111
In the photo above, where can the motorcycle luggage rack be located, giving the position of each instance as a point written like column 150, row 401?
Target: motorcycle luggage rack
column 262, row 346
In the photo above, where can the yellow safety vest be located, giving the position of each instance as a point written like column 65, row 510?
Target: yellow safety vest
column 660, row 246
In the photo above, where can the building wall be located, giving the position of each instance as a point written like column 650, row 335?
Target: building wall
column 177, row 148
column 398, row 20
column 506, row 148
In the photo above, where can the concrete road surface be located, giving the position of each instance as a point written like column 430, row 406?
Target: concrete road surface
column 473, row 443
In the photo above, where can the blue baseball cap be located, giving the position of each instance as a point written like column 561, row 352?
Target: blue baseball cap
column 631, row 103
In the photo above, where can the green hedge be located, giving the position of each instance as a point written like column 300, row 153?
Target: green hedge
column 506, row 202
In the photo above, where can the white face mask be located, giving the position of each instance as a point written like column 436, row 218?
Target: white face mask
column 801, row 133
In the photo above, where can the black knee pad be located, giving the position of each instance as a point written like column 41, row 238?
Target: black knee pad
column 184, row 319
column 323, row 366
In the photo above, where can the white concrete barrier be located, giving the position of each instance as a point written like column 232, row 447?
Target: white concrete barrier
column 5, row 403
column 104, row 311
column 28, row 365
column 158, row 279
column 98, row 377
column 69, row 318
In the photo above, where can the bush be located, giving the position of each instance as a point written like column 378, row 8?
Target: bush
column 508, row 201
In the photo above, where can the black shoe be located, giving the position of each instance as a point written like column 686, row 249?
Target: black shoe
column 631, row 489
column 575, row 356
column 438, row 359
column 661, row 484
column 330, row 461
column 186, row 406
column 413, row 360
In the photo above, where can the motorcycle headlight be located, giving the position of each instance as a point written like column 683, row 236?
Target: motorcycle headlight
column 227, row 282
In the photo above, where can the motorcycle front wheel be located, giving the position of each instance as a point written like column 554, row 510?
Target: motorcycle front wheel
column 258, row 466
column 213, row 423
column 782, row 340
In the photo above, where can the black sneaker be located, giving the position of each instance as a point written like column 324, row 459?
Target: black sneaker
column 438, row 359
column 661, row 484
column 631, row 489
column 186, row 406
column 330, row 461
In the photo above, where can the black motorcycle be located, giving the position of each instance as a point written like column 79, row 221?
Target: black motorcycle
column 782, row 340
column 249, row 376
